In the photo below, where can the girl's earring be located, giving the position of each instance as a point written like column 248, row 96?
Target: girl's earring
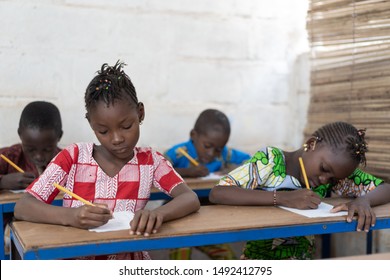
column 140, row 122
column 305, row 148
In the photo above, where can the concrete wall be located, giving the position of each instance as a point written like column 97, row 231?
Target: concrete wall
column 245, row 57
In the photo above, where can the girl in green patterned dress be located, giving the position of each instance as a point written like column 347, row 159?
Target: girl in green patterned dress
column 273, row 177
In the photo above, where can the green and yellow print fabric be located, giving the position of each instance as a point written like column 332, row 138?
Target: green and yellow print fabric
column 266, row 170
column 294, row 248
column 357, row 184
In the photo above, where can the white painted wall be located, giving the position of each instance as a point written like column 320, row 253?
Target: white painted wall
column 245, row 57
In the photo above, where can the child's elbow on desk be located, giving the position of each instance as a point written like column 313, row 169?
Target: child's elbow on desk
column 30, row 209
column 233, row 195
column 195, row 202
column 22, row 207
column 187, row 196
column 217, row 195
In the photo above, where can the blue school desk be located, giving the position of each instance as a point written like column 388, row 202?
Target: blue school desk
column 7, row 205
column 213, row 224
column 200, row 186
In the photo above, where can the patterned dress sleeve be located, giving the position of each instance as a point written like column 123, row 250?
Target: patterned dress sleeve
column 357, row 184
column 56, row 172
column 258, row 171
column 165, row 176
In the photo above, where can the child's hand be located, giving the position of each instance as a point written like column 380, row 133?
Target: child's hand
column 198, row 171
column 16, row 181
column 300, row 199
column 360, row 206
column 87, row 216
column 146, row 222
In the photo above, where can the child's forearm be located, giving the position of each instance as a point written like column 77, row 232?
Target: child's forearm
column 180, row 206
column 380, row 195
column 28, row 208
column 231, row 195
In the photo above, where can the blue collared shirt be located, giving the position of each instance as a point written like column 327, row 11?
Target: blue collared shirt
column 228, row 156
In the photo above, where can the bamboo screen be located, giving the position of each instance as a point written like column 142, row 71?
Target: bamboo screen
column 350, row 71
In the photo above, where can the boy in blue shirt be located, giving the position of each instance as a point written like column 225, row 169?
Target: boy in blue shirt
column 207, row 145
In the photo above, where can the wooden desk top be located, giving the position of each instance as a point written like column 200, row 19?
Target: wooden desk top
column 196, row 184
column 201, row 184
column 9, row 197
column 193, row 183
column 214, row 218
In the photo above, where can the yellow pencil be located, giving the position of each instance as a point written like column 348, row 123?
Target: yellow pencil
column 304, row 173
column 194, row 162
column 12, row 164
column 61, row 188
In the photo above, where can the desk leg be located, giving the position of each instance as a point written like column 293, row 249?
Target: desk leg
column 369, row 243
column 2, row 253
column 325, row 246
column 14, row 253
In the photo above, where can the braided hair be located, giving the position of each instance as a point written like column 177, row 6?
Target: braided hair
column 342, row 135
column 111, row 83
column 212, row 119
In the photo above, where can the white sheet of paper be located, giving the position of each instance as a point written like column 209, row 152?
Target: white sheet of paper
column 323, row 210
column 120, row 221
column 17, row 191
column 212, row 176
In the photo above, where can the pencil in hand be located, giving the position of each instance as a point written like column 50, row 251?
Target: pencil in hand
column 61, row 188
column 304, row 173
column 12, row 164
column 191, row 159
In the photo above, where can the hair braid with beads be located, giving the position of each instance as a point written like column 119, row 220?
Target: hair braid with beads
column 111, row 83
column 342, row 135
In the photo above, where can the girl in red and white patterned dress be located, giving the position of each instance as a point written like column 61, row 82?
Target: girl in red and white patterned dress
column 115, row 175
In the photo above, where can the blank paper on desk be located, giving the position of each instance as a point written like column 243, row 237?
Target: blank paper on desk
column 212, row 176
column 323, row 210
column 120, row 221
column 18, row 191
